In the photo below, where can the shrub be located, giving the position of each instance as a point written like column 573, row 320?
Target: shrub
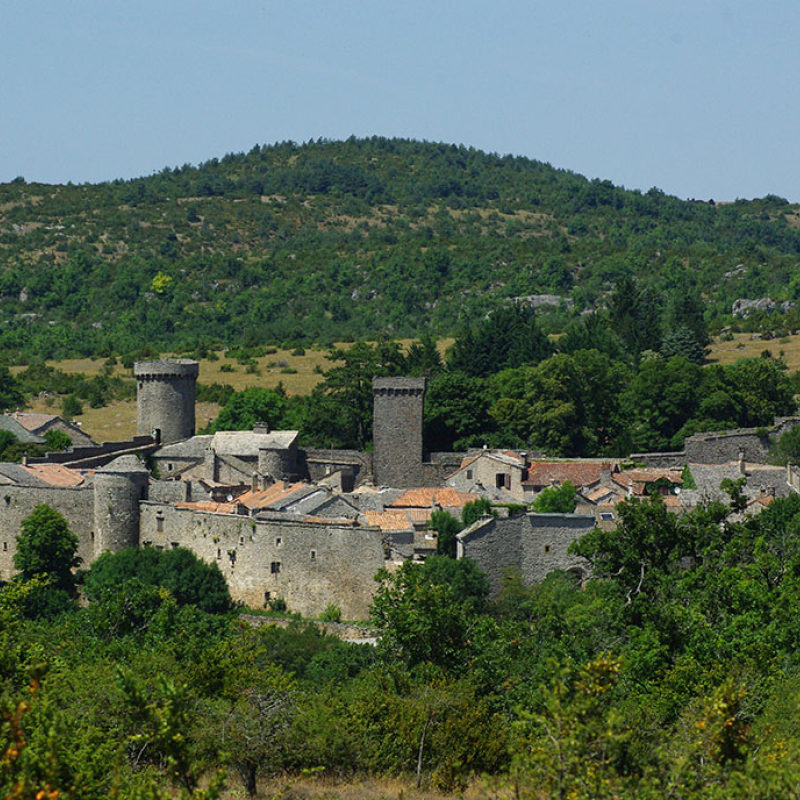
column 332, row 613
column 189, row 580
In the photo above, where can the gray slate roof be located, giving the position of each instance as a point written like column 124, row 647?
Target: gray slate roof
column 22, row 433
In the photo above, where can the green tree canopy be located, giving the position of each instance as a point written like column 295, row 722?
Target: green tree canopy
column 556, row 499
column 46, row 546
column 252, row 406
column 189, row 580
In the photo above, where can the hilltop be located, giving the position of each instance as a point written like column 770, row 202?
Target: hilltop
column 329, row 241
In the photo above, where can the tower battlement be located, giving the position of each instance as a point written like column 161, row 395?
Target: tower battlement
column 165, row 398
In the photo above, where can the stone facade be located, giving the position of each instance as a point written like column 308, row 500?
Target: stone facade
column 165, row 395
column 534, row 544
column 397, row 431
column 676, row 458
column 76, row 504
column 310, row 565
column 119, row 487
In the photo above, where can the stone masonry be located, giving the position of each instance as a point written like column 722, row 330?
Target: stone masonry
column 397, row 431
column 165, row 395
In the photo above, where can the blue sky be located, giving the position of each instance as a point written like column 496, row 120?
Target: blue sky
column 701, row 99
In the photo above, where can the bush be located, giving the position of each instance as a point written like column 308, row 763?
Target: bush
column 332, row 613
column 189, row 580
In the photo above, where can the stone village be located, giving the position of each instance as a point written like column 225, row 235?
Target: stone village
column 313, row 527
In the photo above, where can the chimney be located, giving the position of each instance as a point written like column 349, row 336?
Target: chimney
column 254, row 482
column 742, row 463
column 261, row 427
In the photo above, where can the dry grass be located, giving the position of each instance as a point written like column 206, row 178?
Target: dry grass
column 298, row 374
column 749, row 345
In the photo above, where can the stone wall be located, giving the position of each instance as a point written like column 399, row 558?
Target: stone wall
column 309, row 565
column 319, row 463
column 719, row 448
column 88, row 457
column 165, row 395
column 660, row 460
column 17, row 502
column 535, row 544
column 397, row 431
column 724, row 446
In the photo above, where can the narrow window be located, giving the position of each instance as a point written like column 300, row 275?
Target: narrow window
column 5, row 546
column 547, row 548
column 500, row 480
column 91, row 533
column 275, row 567
column 278, row 542
column 169, row 467
column 232, row 556
column 469, row 474
column 313, row 555
column 267, row 597
column 174, row 545
column 160, row 524
column 219, row 553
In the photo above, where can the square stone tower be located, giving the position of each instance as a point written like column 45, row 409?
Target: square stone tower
column 397, row 431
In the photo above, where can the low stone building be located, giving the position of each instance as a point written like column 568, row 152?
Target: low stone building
column 533, row 544
column 40, row 424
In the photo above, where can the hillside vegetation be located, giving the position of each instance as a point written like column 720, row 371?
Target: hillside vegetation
column 330, row 241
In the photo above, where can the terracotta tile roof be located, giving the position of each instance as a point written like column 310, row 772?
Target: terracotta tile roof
column 32, row 422
column 419, row 515
column 604, row 491
column 764, row 500
column 579, row 473
column 209, row 506
column 276, row 493
column 447, row 497
column 637, row 479
column 55, row 474
column 650, row 475
column 389, row 520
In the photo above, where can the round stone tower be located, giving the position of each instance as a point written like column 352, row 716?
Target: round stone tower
column 165, row 392
column 118, row 488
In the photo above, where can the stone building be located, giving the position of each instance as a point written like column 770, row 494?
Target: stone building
column 165, row 396
column 397, row 431
column 533, row 544
column 40, row 424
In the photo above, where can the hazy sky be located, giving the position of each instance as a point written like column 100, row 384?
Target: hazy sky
column 701, row 99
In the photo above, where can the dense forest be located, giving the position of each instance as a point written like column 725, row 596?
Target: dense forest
column 335, row 241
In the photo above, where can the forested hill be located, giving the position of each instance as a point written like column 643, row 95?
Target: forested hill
column 333, row 240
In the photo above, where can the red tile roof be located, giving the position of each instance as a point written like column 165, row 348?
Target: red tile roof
column 271, row 495
column 447, row 497
column 579, row 473
column 55, row 474
column 389, row 520
column 210, row 506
